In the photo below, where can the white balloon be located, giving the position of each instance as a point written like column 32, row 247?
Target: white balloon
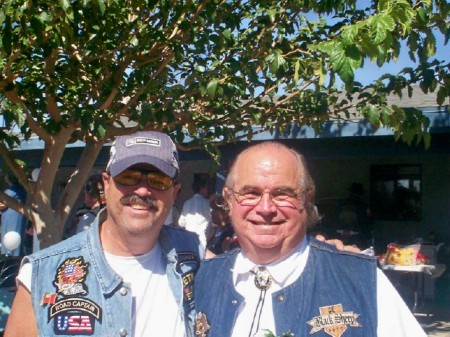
column 11, row 240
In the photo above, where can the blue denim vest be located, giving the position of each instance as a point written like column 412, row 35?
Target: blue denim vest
column 76, row 293
column 336, row 291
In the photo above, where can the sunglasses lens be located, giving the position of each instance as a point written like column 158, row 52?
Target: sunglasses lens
column 159, row 181
column 155, row 180
column 129, row 177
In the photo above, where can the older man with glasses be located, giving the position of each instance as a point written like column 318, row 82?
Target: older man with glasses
column 283, row 282
column 128, row 275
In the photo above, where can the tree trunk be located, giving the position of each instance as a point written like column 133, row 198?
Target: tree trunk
column 49, row 221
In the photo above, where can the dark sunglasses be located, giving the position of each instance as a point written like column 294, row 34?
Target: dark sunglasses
column 154, row 179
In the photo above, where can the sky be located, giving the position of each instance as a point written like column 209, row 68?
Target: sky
column 370, row 72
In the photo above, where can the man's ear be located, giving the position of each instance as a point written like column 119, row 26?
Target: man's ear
column 227, row 195
column 309, row 196
column 105, row 178
column 176, row 188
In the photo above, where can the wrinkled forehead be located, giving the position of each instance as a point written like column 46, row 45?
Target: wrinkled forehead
column 266, row 165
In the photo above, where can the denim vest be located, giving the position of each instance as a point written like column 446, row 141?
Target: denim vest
column 76, row 293
column 336, row 293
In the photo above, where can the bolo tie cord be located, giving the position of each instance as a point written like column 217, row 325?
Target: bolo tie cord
column 263, row 281
column 258, row 312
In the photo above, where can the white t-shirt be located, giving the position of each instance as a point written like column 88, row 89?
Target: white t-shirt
column 196, row 216
column 394, row 316
column 155, row 311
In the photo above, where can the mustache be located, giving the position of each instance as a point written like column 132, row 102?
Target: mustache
column 135, row 199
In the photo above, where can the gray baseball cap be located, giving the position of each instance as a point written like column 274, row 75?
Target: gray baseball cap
column 149, row 147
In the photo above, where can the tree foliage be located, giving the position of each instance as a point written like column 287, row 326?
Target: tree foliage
column 202, row 71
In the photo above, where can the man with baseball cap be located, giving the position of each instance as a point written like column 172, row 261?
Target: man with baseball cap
column 128, row 275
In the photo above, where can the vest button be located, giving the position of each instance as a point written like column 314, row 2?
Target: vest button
column 123, row 291
column 234, row 302
column 280, row 298
column 122, row 332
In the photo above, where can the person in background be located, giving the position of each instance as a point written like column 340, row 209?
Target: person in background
column 174, row 215
column 355, row 218
column 11, row 220
column 282, row 280
column 94, row 200
column 127, row 275
column 223, row 238
column 196, row 214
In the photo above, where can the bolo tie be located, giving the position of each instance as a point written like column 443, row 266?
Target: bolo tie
column 263, row 281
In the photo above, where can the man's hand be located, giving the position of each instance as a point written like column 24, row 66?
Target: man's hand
column 339, row 244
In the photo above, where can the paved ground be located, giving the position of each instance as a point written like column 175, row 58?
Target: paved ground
column 436, row 325
column 437, row 322
column 434, row 315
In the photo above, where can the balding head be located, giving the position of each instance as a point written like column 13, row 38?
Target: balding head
column 270, row 195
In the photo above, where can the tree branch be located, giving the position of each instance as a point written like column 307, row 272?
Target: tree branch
column 52, row 107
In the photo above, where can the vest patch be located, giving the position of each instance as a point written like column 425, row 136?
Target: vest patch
column 201, row 325
column 71, row 276
column 188, row 289
column 74, row 325
column 72, row 314
column 334, row 320
column 186, row 258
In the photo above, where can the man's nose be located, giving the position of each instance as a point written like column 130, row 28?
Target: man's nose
column 142, row 187
column 266, row 205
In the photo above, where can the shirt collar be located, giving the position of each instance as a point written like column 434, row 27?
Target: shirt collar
column 283, row 271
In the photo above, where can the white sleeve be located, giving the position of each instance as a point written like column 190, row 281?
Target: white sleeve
column 395, row 319
column 24, row 276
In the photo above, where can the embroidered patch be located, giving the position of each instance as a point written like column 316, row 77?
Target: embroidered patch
column 48, row 298
column 70, row 277
column 201, row 325
column 77, row 305
column 188, row 289
column 186, row 258
column 74, row 325
column 334, row 321
column 72, row 314
column 143, row 141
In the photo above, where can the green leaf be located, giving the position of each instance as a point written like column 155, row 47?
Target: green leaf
column 349, row 34
column 101, row 131
column 272, row 15
column 200, row 69
column 441, row 95
column 380, row 25
column 297, row 71
column 276, row 60
column 101, row 6
column 64, row 4
column 343, row 64
column 134, row 41
column 211, row 88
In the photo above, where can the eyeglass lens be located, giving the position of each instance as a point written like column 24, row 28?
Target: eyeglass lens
column 280, row 197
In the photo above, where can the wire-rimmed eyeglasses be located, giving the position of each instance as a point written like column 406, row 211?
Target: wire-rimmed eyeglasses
column 282, row 197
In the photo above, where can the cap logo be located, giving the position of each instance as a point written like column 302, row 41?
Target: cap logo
column 143, row 141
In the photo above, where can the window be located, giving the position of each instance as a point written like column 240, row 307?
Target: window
column 396, row 192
